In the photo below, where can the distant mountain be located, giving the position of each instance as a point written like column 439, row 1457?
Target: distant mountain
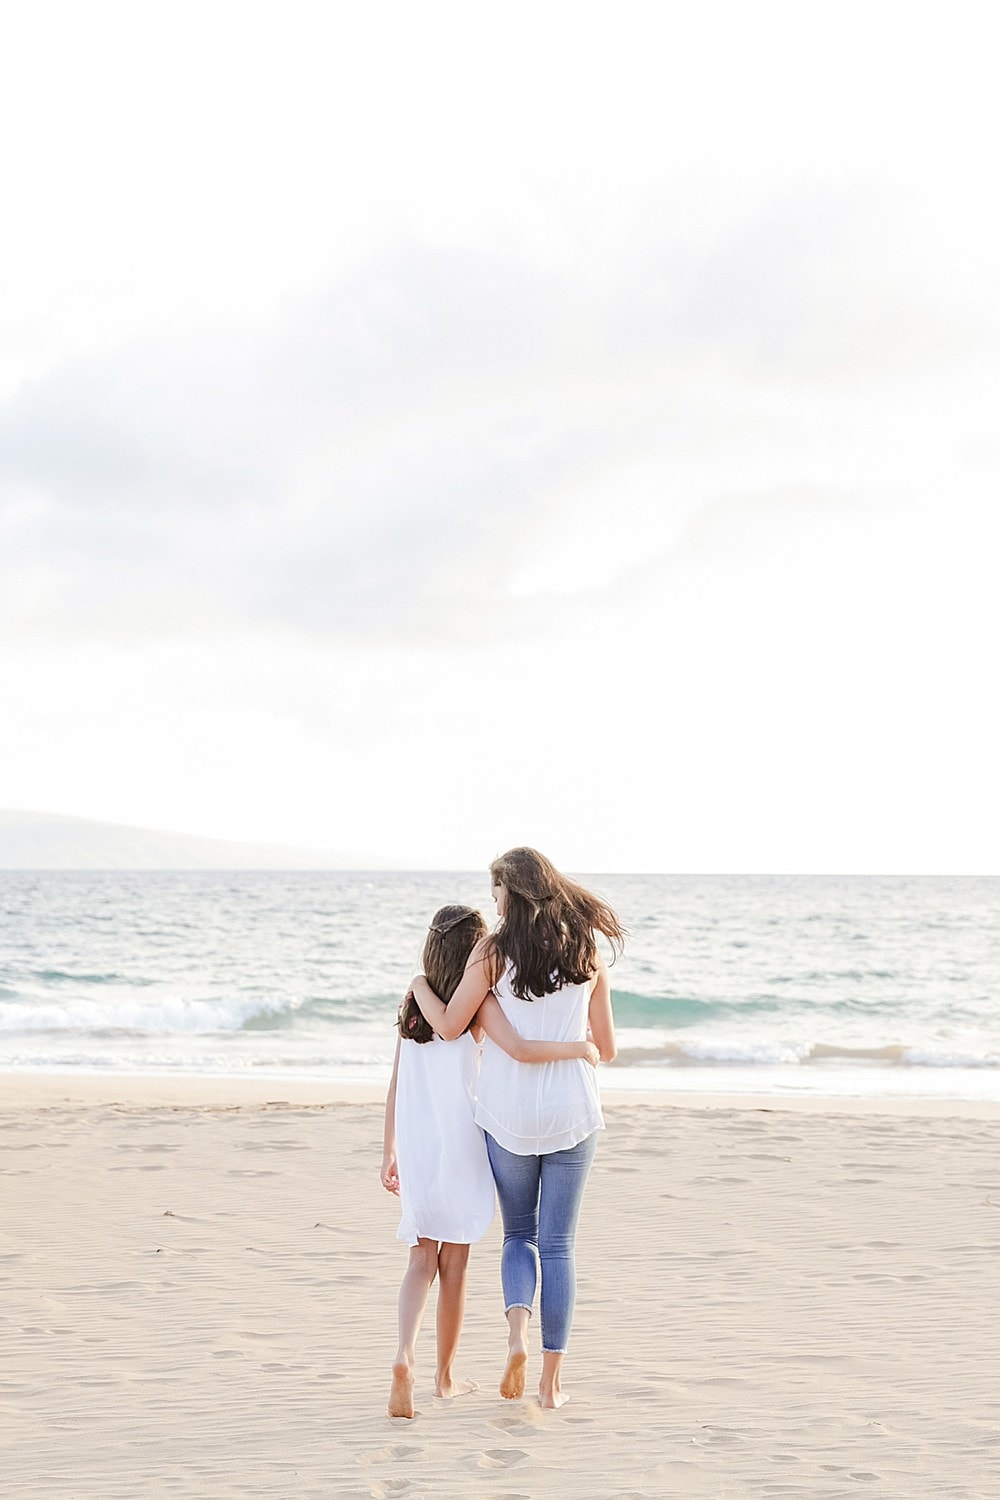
column 45, row 841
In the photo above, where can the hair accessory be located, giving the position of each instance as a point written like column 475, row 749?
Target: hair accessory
column 451, row 922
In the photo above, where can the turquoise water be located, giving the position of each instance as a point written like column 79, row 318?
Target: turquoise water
column 729, row 983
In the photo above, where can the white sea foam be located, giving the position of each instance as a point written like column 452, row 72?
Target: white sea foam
column 918, row 1057
column 742, row 1052
column 801, row 1054
column 164, row 1016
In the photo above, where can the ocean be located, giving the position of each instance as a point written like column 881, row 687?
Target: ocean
column 825, row 985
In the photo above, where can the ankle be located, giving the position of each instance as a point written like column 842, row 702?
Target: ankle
column 517, row 1334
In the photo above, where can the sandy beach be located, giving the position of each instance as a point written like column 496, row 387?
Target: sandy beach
column 199, row 1287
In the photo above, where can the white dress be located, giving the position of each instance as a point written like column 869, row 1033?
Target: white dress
column 533, row 1109
column 445, row 1184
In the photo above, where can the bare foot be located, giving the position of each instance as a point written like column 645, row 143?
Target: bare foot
column 401, row 1394
column 552, row 1400
column 446, row 1389
column 512, row 1383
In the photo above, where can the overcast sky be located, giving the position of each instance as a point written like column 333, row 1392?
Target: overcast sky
column 428, row 428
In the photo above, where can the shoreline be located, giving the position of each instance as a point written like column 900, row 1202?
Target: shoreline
column 27, row 1091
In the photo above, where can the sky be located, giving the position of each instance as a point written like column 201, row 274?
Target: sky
column 428, row 429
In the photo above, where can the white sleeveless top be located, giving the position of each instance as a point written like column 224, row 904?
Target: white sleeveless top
column 445, row 1183
column 533, row 1109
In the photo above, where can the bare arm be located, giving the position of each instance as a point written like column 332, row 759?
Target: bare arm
column 390, row 1171
column 602, row 1022
column 499, row 1030
column 449, row 1021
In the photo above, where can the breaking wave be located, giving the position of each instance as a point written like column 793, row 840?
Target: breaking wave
column 708, row 1054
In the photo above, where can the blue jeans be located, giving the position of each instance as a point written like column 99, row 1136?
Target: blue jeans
column 540, row 1199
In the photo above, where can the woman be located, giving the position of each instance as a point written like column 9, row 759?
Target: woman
column 541, row 1120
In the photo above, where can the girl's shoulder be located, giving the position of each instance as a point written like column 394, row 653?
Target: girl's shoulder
column 485, row 953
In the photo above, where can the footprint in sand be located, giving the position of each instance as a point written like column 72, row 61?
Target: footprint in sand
column 499, row 1458
column 393, row 1450
column 720, row 1435
column 388, row 1487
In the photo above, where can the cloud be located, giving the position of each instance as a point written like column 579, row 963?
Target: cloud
column 384, row 448
column 817, row 284
column 444, row 432
column 758, row 523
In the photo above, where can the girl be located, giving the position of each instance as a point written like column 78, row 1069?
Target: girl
column 434, row 1154
column 542, row 965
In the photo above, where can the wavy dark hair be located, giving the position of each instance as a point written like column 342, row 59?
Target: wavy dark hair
column 547, row 932
column 453, row 933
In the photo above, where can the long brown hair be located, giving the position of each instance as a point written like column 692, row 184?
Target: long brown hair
column 453, row 933
column 547, row 930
